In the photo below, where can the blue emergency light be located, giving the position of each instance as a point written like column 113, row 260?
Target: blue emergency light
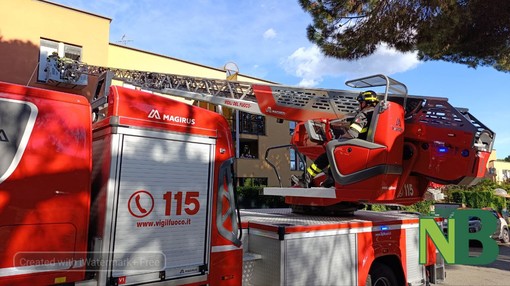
column 442, row 149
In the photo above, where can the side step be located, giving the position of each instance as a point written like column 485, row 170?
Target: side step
column 326, row 193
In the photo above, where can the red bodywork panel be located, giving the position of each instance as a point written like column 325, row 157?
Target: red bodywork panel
column 145, row 111
column 44, row 201
column 299, row 105
column 379, row 236
column 440, row 153
column 372, row 245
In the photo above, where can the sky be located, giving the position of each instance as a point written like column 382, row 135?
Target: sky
column 267, row 39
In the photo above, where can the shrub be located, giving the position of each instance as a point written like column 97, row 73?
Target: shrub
column 250, row 197
column 478, row 196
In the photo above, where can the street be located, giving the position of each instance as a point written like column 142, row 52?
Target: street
column 496, row 273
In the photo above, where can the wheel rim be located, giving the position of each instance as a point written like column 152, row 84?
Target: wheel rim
column 381, row 281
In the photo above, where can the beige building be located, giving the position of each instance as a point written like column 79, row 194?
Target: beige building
column 498, row 170
column 31, row 30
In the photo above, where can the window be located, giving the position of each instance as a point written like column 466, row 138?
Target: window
column 48, row 47
column 505, row 176
column 296, row 164
column 292, row 127
column 252, row 124
column 251, row 182
column 249, row 149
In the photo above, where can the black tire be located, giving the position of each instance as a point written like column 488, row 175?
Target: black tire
column 505, row 236
column 381, row 275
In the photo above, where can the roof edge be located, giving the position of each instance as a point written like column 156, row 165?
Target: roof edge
column 189, row 62
column 74, row 9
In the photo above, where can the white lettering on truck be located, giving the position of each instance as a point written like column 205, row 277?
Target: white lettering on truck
column 154, row 114
column 179, row 119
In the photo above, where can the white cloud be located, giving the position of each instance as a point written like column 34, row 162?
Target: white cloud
column 203, row 33
column 309, row 82
column 269, row 34
column 312, row 66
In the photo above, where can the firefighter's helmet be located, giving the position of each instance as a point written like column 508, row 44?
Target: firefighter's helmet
column 369, row 96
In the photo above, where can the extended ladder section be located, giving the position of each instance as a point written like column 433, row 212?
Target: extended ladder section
column 411, row 140
column 285, row 102
column 222, row 92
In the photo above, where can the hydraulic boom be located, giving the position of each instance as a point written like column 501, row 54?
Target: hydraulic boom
column 412, row 140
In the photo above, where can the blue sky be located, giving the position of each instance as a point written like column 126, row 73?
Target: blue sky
column 267, row 39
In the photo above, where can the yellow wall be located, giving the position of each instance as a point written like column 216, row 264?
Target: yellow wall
column 500, row 171
column 493, row 156
column 24, row 22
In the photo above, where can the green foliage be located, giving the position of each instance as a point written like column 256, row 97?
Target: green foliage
column 248, row 182
column 250, row 197
column 422, row 207
column 478, row 196
column 378, row 208
column 470, row 32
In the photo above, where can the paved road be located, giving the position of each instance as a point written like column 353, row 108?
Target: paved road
column 496, row 273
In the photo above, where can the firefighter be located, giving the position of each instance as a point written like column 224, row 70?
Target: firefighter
column 358, row 129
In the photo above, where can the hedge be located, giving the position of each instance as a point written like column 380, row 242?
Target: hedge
column 477, row 199
column 250, row 197
column 478, row 196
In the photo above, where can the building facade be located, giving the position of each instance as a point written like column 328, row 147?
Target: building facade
column 498, row 170
column 31, row 30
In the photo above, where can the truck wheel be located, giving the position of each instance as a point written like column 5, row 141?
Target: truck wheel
column 381, row 275
column 505, row 237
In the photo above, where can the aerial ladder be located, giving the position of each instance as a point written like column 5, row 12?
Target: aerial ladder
column 412, row 140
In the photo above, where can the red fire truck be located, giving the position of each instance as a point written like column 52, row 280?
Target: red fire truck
column 137, row 188
column 143, row 195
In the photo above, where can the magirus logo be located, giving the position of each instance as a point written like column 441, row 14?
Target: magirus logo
column 154, row 114
column 278, row 112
